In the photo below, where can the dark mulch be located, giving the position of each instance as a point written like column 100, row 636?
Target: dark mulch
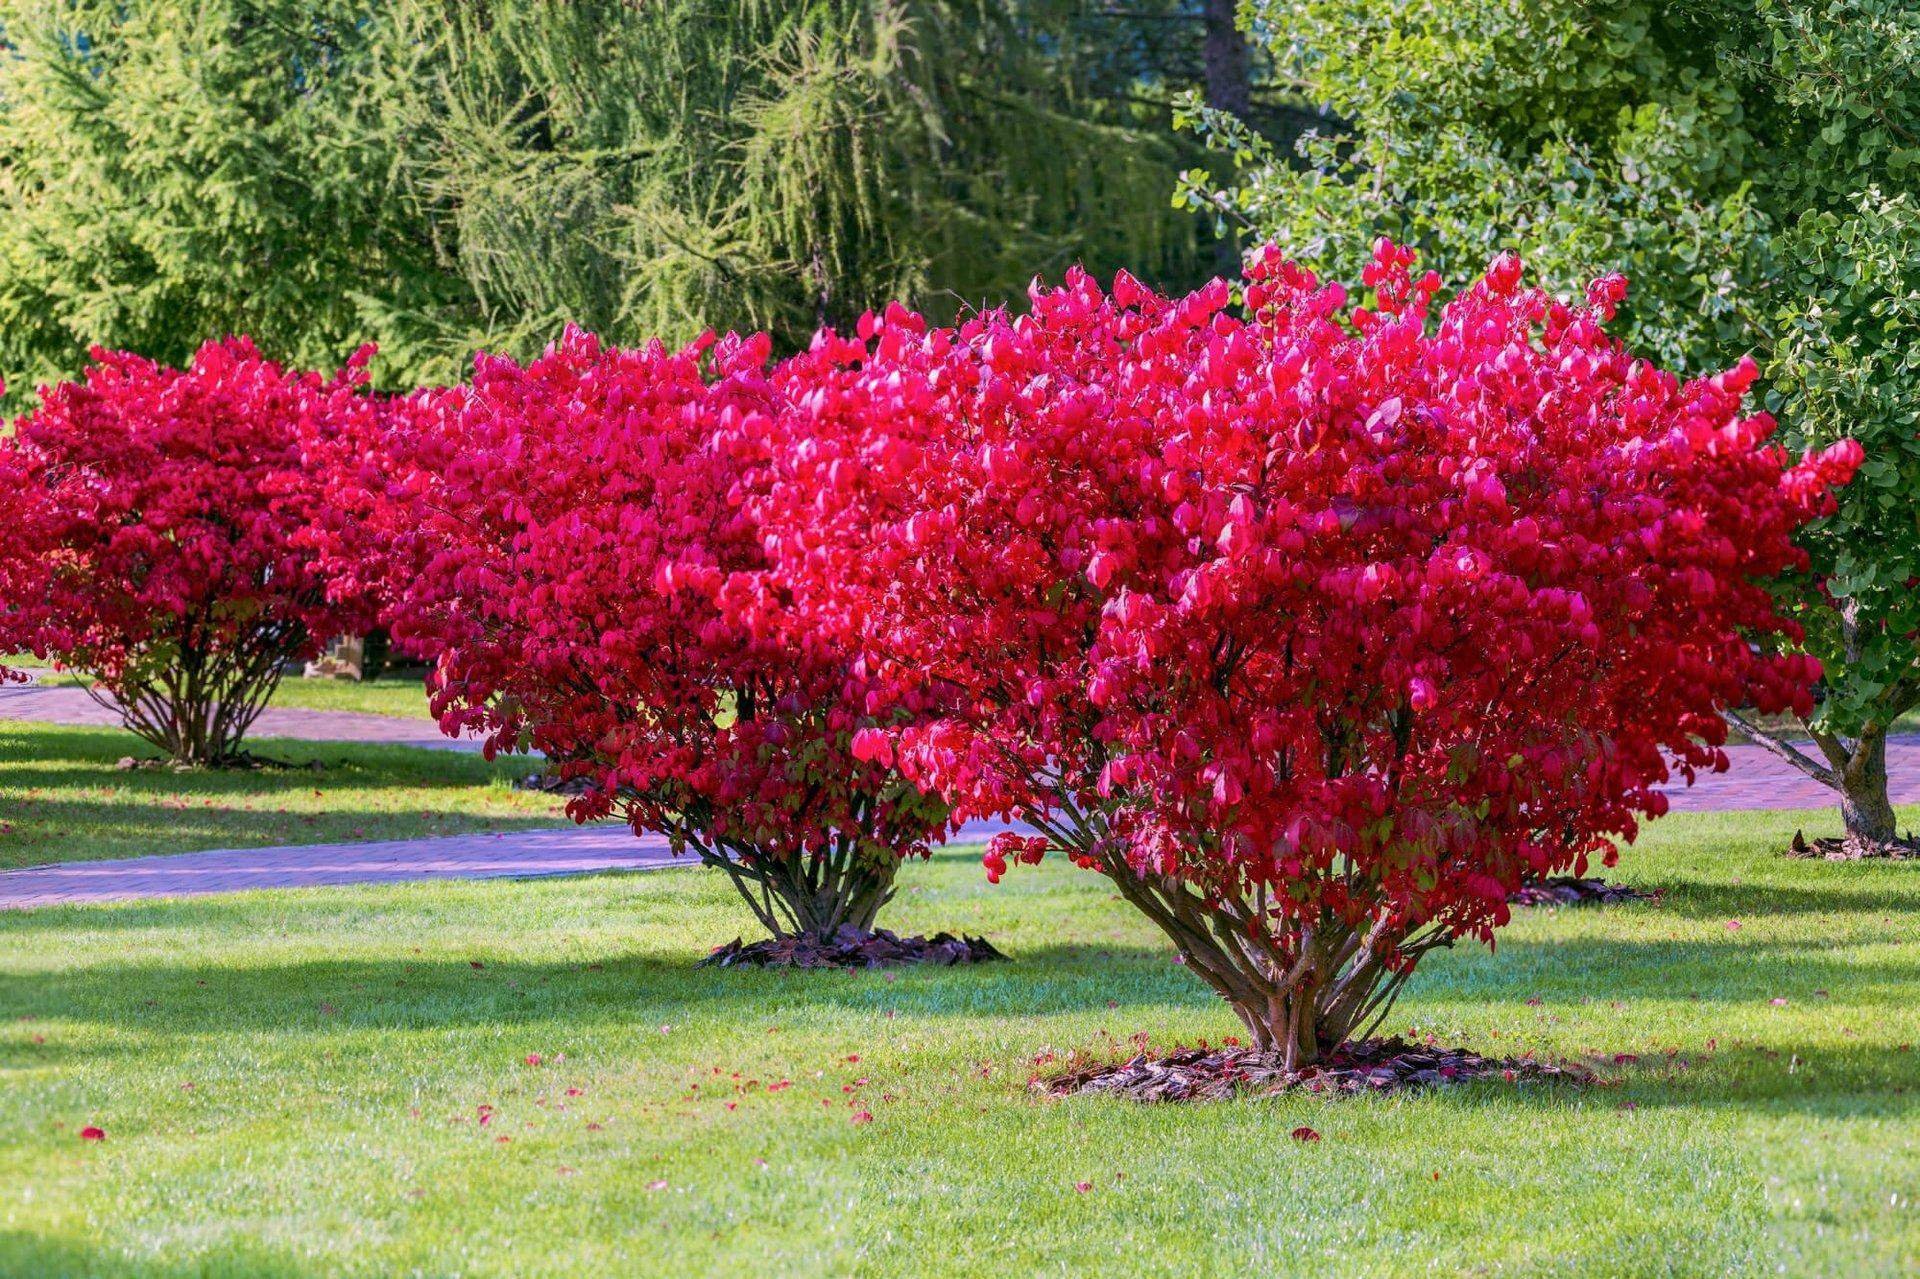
column 1566, row 890
column 850, row 949
column 244, row 762
column 1851, row 848
column 1369, row 1066
column 552, row 784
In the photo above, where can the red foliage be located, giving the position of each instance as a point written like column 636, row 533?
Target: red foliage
column 1316, row 631
column 154, row 514
column 561, row 536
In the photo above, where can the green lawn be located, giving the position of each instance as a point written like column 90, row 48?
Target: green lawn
column 291, row 1084
column 404, row 696
column 62, row 799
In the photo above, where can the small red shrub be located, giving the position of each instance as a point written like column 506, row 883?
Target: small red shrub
column 561, row 535
column 1315, row 630
column 154, row 514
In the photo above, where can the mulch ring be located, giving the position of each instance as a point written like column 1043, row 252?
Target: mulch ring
column 1851, row 848
column 244, row 762
column 553, row 784
column 850, row 949
column 1376, row 1066
column 1566, row 890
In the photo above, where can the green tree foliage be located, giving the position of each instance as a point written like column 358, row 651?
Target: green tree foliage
column 175, row 172
column 1750, row 164
column 437, row 175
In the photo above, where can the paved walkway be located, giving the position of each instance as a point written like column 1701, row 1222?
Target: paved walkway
column 1760, row 779
column 1756, row 780
column 65, row 704
column 577, row 850
column 572, row 850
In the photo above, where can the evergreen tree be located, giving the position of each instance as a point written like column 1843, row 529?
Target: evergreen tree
column 174, row 172
column 441, row 175
column 655, row 169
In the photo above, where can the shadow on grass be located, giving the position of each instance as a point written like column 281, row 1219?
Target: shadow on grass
column 1872, row 888
column 128, row 819
column 1051, row 978
column 50, row 758
column 23, row 1254
column 339, row 1002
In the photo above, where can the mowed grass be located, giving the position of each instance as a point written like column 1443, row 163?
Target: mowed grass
column 62, row 798
column 398, row 696
column 293, row 1084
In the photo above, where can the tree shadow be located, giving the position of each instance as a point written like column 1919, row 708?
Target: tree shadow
column 1760, row 898
column 114, row 831
column 25, row 1254
column 1692, row 970
column 326, row 997
column 88, row 757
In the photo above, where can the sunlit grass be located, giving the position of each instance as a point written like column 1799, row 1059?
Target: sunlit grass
column 403, row 696
column 62, row 798
column 292, row 1084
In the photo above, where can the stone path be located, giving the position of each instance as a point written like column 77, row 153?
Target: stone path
column 573, row 850
column 1759, row 779
column 1756, row 780
column 65, row 704
column 576, row 850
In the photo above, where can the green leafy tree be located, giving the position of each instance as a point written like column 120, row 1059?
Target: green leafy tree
column 441, row 175
column 1752, row 165
column 659, row 168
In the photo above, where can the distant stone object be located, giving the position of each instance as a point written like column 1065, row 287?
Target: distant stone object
column 354, row 657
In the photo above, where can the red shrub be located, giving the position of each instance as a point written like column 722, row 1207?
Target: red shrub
column 152, row 542
column 561, row 535
column 1317, row 631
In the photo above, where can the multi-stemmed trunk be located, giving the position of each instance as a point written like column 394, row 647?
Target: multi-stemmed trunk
column 807, row 895
column 1301, row 990
column 199, row 703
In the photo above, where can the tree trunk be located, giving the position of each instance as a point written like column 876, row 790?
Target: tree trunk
column 1864, row 802
column 807, row 896
column 1228, row 88
column 1225, row 55
column 1857, row 769
column 1301, row 991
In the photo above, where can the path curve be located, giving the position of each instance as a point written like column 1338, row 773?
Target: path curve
column 1758, row 779
column 1754, row 780
column 526, row 854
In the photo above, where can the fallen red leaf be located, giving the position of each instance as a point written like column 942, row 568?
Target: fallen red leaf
column 93, row 1134
column 1304, row 1133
